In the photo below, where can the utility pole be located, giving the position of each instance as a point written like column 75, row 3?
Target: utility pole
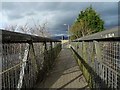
column 68, row 31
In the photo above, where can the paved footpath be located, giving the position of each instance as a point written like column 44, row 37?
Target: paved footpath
column 65, row 74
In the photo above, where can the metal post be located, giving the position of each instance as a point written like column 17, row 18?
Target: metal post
column 51, row 54
column 23, row 66
column 46, row 57
column 33, row 56
column 68, row 32
column 98, row 56
column 1, row 60
column 68, row 35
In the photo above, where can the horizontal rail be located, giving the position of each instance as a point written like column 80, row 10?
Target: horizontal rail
column 101, row 57
column 26, row 59
column 24, row 70
column 16, row 37
column 98, row 56
column 112, row 35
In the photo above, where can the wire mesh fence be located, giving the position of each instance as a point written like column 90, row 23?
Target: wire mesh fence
column 99, row 60
column 25, row 63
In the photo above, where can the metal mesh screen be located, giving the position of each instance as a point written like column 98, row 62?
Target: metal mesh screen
column 111, row 63
column 11, row 59
column 18, row 73
column 104, row 59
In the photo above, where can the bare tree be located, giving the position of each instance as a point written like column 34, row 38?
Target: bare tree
column 36, row 28
column 11, row 27
column 25, row 28
column 40, row 30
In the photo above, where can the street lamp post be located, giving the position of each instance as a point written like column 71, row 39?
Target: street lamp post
column 68, row 31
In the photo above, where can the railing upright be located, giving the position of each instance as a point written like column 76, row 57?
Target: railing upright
column 98, row 56
column 26, row 59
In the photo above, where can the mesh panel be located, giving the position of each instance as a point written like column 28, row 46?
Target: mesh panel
column 13, row 66
column 104, row 59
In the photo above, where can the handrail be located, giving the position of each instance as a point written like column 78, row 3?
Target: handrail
column 16, row 37
column 112, row 34
column 98, row 56
column 26, row 59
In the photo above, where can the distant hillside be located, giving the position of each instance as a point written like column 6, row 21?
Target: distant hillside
column 59, row 37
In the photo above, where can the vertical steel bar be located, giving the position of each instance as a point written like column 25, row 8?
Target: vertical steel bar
column 19, row 86
column 98, row 55
column 33, row 57
column 1, row 62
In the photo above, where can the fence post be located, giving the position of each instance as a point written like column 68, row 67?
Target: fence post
column 23, row 66
column 46, row 57
column 84, row 51
column 32, row 53
column 98, row 56
column 85, row 59
column 51, row 53
column 99, row 60
column 1, row 59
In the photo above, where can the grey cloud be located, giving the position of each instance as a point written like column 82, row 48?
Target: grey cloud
column 67, row 18
column 71, row 16
column 65, row 12
column 111, row 21
column 12, row 17
column 8, row 6
column 30, row 13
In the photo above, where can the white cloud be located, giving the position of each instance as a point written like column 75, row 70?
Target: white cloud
column 3, row 20
column 60, row 34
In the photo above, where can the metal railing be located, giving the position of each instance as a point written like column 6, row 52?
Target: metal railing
column 26, row 59
column 98, row 56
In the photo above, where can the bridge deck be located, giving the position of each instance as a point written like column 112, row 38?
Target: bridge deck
column 65, row 74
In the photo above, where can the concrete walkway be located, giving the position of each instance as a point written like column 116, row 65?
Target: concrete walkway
column 65, row 74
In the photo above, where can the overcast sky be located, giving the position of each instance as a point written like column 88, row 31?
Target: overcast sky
column 55, row 13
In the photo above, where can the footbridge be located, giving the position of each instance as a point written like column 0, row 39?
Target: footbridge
column 33, row 62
